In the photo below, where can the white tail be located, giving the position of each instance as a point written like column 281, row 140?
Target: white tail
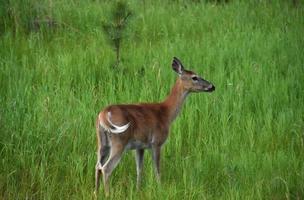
column 117, row 129
column 113, row 128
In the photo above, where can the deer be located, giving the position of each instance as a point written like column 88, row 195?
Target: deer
column 141, row 126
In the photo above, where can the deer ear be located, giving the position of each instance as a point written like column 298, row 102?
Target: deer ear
column 177, row 66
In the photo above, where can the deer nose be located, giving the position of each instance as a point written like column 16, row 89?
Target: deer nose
column 210, row 88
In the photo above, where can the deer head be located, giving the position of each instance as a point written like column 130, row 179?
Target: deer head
column 190, row 80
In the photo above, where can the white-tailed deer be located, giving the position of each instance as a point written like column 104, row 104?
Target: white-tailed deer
column 141, row 126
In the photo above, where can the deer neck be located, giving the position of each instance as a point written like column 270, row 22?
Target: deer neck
column 175, row 100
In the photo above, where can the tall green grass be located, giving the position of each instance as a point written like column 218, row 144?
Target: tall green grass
column 244, row 141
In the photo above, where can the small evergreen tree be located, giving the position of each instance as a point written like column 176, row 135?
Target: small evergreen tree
column 116, row 25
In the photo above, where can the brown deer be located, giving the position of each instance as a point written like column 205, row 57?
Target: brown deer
column 141, row 126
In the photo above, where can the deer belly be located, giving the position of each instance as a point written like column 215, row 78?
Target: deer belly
column 136, row 144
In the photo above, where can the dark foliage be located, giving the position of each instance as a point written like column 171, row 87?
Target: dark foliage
column 116, row 25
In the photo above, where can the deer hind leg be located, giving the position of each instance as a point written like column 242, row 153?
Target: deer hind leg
column 139, row 165
column 109, row 166
column 102, row 153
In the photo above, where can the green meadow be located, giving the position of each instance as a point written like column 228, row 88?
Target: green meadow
column 243, row 141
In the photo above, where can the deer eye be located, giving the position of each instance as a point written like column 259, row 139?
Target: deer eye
column 194, row 78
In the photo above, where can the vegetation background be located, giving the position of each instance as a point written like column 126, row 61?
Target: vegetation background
column 58, row 70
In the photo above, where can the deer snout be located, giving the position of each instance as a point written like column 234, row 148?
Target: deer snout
column 210, row 88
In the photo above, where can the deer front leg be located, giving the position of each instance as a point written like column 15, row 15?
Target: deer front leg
column 139, row 165
column 156, row 159
column 109, row 166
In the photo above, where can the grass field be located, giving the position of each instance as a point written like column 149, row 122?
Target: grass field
column 244, row 141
